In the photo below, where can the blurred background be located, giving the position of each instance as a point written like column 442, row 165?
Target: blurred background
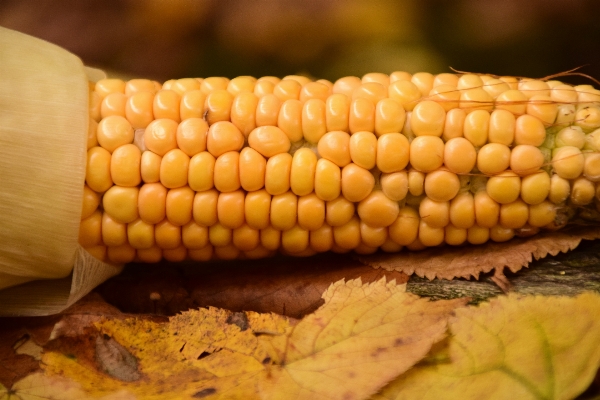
column 163, row 39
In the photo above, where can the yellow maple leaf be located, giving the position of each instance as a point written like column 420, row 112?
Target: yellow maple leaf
column 512, row 347
column 360, row 339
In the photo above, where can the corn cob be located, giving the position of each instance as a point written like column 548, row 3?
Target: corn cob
column 242, row 168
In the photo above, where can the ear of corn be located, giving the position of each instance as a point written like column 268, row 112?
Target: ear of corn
column 244, row 168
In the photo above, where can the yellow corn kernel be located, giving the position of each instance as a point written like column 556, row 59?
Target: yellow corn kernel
column 529, row 130
column 201, row 171
column 513, row 101
column 462, row 211
column 435, row 213
column 454, row 124
column 392, row 152
column 416, row 182
column 125, row 165
column 214, row 83
column 321, row 240
column 426, row 153
column 363, row 149
column 501, row 234
column 478, row 235
column 267, row 110
column 290, row 119
column 179, row 205
column 140, row 235
column 514, row 215
column 90, row 202
column 166, row 105
column 223, row 137
column 588, row 118
column 441, row 185
column 361, row 116
column 339, row 211
column 560, row 189
column 241, row 84
column 243, row 112
column 114, row 233
column 191, row 136
column 219, row 235
column 284, row 211
column 121, row 203
column 114, row 131
column 218, row 106
column 346, row 85
column 570, row 136
column 287, row 89
column 121, row 254
column 252, row 169
column 502, row 127
column 460, row 155
column 150, row 255
column 97, row 174
column 430, row 236
column 294, row 240
column 106, row 86
column 389, row 116
column 394, row 185
column 495, row 87
column 194, row 236
column 357, row 182
column 311, row 212
column 405, row 92
column 476, row 99
column 487, row 210
column 227, row 172
column 347, row 236
column 313, row 120
column 533, row 87
column 203, row 254
column 535, row 188
column 302, row 172
column 377, row 210
column 335, row 147
column 541, row 214
column 428, row 119
column 204, row 209
column 192, row 104
column 543, row 108
column 113, row 104
column 277, row 174
column 314, row 90
column 372, row 91
column 269, row 141
column 504, row 188
column 257, row 206
column 138, row 109
column 476, row 127
column 160, row 136
column 150, row 167
column 493, row 158
column 246, row 238
column 270, row 238
column 337, row 111
column 174, row 169
column 568, row 162
column 526, row 159
column 264, row 88
column 328, row 179
column 152, row 202
column 446, row 96
column 90, row 230
column 230, row 209
column 582, row 192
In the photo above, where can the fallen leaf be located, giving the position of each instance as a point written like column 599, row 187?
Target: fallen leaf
column 512, row 347
column 469, row 261
column 360, row 339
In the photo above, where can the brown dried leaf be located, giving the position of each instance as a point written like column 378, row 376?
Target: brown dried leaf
column 468, row 261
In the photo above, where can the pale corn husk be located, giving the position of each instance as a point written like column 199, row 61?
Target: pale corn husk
column 43, row 136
